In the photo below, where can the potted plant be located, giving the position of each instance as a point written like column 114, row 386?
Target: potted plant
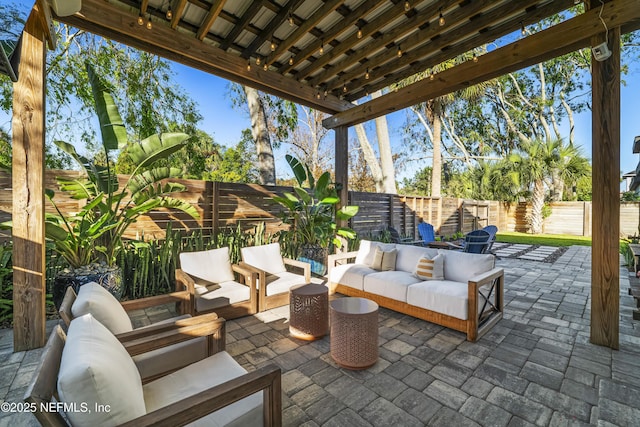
column 312, row 214
column 90, row 240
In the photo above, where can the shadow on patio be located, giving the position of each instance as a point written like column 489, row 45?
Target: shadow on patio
column 536, row 367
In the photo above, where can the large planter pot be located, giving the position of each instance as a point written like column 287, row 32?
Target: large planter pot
column 109, row 277
column 316, row 256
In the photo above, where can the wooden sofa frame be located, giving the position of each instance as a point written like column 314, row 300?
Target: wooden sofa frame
column 478, row 322
column 239, row 309
column 43, row 388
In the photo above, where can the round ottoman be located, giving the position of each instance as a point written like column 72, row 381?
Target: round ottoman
column 308, row 311
column 354, row 332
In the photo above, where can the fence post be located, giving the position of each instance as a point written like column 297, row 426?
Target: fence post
column 215, row 199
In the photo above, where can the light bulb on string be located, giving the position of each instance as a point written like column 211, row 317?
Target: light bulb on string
column 169, row 14
column 290, row 19
column 149, row 24
column 523, row 30
column 265, row 67
column 248, row 66
column 407, row 6
column 258, row 60
column 441, row 20
column 321, row 51
column 140, row 20
column 475, row 57
column 291, row 60
column 273, row 46
column 366, row 75
column 344, row 88
column 399, row 52
column 359, row 33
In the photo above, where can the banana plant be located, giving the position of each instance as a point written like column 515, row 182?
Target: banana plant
column 313, row 213
column 96, row 230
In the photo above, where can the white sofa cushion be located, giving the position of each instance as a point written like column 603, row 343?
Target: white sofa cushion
column 93, row 298
column 367, row 250
column 462, row 267
column 408, row 256
column 281, row 282
column 441, row 296
column 351, row 275
column 198, row 377
column 213, row 265
column 390, row 284
column 96, row 370
column 430, row 268
column 228, row 293
column 264, row 257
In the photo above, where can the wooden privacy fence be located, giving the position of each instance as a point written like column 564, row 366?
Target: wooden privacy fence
column 222, row 205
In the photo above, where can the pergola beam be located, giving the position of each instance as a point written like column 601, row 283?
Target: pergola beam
column 558, row 40
column 104, row 19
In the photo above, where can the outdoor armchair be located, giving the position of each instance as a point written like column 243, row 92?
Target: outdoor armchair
column 88, row 368
column 426, row 232
column 214, row 284
column 97, row 301
column 274, row 280
column 492, row 230
column 475, row 242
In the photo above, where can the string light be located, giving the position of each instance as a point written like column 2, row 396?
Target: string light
column 326, row 92
column 366, row 74
column 248, row 66
column 290, row 19
column 273, row 46
column 291, row 60
column 344, row 88
column 149, row 24
column 322, row 47
column 399, row 53
column 359, row 34
column 140, row 20
column 318, row 95
column 265, row 66
column 407, row 6
column 258, row 60
column 431, row 76
column 169, row 14
column 441, row 20
column 523, row 30
column 475, row 57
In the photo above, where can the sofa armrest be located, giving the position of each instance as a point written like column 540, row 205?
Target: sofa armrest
column 491, row 302
column 486, row 277
column 199, row 405
column 333, row 259
column 208, row 325
column 305, row 266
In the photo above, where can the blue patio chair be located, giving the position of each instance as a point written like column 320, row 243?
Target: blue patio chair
column 426, row 233
column 492, row 230
column 476, row 242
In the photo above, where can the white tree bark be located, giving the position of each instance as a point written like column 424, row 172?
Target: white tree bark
column 384, row 146
column 370, row 157
column 260, row 133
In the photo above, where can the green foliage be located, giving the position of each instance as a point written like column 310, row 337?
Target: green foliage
column 543, row 239
column 313, row 215
column 626, row 253
column 630, row 196
column 97, row 229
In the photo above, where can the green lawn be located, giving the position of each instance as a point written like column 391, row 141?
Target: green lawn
column 543, row 239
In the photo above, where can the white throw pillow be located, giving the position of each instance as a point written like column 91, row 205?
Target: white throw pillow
column 430, row 268
column 93, row 298
column 264, row 257
column 384, row 260
column 212, row 266
column 97, row 372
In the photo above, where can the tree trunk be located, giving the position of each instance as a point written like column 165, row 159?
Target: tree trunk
column 260, row 133
column 370, row 157
column 537, row 203
column 433, row 112
column 386, row 157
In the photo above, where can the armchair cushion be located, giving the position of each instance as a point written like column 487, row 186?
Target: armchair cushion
column 212, row 266
column 96, row 369
column 264, row 257
column 281, row 282
column 104, row 307
column 198, row 377
column 227, row 293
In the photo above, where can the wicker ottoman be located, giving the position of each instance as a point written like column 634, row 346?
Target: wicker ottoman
column 308, row 311
column 354, row 332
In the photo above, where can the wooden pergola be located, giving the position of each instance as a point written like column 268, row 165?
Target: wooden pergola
column 325, row 55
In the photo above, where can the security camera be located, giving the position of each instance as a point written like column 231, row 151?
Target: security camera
column 601, row 52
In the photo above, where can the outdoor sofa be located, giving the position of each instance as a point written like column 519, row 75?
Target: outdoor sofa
column 461, row 291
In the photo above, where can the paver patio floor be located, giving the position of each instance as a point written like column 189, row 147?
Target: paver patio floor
column 536, row 367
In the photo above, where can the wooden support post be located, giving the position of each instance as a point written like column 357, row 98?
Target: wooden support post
column 215, row 208
column 29, row 286
column 605, row 272
column 342, row 171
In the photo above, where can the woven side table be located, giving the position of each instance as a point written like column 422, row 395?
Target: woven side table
column 354, row 332
column 308, row 311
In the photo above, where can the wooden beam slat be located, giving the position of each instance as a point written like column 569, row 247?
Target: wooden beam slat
column 177, row 13
column 558, row 40
column 213, row 13
column 110, row 21
column 446, row 47
column 334, row 32
column 28, row 125
column 272, row 26
column 367, row 30
column 47, row 24
column 239, row 26
column 304, row 28
column 424, row 16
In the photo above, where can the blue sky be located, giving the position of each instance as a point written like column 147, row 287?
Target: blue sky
column 226, row 123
